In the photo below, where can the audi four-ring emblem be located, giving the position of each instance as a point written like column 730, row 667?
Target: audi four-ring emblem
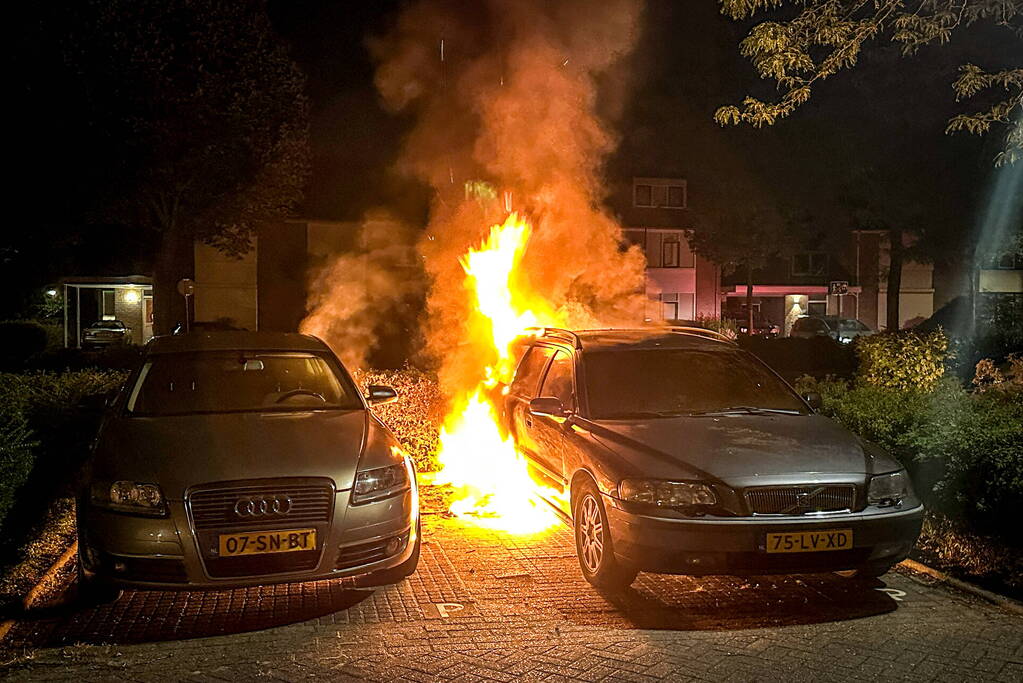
column 261, row 506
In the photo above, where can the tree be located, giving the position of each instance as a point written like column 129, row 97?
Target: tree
column 201, row 117
column 823, row 37
column 741, row 239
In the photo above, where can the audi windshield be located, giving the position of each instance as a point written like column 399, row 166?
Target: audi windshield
column 228, row 382
column 651, row 383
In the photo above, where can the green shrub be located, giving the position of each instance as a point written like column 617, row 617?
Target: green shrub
column 417, row 414
column 47, row 431
column 963, row 449
column 16, row 454
column 22, row 339
column 905, row 361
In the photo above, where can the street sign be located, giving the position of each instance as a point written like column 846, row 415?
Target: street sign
column 838, row 288
column 186, row 287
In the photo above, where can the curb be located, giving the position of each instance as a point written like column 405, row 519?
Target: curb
column 1002, row 601
column 40, row 586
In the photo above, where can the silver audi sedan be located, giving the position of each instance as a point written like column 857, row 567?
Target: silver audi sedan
column 235, row 459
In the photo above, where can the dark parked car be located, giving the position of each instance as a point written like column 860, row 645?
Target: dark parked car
column 105, row 333
column 842, row 330
column 242, row 458
column 762, row 327
column 677, row 452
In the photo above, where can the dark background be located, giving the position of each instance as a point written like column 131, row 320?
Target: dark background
column 883, row 120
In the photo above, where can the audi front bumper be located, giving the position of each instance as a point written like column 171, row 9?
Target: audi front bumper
column 131, row 551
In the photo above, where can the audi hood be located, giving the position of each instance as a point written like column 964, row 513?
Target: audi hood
column 744, row 448
column 177, row 452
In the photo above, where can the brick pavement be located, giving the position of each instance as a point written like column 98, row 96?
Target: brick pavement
column 489, row 606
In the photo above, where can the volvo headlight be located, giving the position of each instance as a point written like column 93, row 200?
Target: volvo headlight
column 666, row 493
column 130, row 496
column 888, row 489
column 382, row 482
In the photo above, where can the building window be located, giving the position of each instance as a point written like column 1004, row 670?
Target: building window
column 817, row 307
column 812, row 263
column 1008, row 261
column 677, row 305
column 644, row 195
column 107, row 303
column 659, row 194
column 670, row 250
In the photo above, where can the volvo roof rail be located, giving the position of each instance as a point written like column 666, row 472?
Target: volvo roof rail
column 557, row 333
column 704, row 332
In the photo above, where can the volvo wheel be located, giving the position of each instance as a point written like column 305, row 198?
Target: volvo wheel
column 593, row 543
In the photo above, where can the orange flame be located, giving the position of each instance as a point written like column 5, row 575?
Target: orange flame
column 493, row 486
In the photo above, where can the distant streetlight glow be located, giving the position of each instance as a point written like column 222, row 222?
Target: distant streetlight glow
column 51, row 292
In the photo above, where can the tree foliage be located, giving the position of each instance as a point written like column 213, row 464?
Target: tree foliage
column 202, row 111
column 824, row 37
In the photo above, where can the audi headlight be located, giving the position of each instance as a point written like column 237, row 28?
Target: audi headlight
column 888, row 489
column 666, row 493
column 130, row 496
column 382, row 482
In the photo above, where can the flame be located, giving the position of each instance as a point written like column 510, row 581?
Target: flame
column 493, row 486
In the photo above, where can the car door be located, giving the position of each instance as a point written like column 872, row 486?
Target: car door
column 548, row 432
column 523, row 388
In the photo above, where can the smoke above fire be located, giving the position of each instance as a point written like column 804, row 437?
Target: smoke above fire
column 504, row 95
column 357, row 297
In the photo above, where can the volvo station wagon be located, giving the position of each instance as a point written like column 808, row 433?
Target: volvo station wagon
column 674, row 451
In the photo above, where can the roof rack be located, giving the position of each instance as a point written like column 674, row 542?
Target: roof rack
column 704, row 332
column 557, row 333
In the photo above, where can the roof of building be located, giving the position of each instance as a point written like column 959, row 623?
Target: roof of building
column 235, row 341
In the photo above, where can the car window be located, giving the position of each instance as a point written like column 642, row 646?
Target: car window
column 655, row 382
column 800, row 325
column 234, row 381
column 558, row 382
column 530, row 368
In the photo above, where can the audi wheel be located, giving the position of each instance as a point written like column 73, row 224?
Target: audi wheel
column 593, row 543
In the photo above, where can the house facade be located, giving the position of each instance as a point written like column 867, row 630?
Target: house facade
column 88, row 300
column 680, row 284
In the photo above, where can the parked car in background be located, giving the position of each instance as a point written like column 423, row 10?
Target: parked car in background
column 677, row 452
column 105, row 333
column 842, row 330
column 762, row 327
column 244, row 458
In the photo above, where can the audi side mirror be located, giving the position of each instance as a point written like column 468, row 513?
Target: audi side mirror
column 547, row 406
column 378, row 395
column 814, row 399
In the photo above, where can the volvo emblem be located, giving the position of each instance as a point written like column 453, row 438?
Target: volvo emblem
column 262, row 506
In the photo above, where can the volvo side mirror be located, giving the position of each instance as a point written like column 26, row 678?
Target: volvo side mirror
column 814, row 399
column 548, row 406
column 379, row 395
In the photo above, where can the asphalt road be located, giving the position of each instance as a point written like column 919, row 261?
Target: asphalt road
column 490, row 606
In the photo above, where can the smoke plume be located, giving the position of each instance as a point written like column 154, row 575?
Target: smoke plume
column 504, row 94
column 357, row 297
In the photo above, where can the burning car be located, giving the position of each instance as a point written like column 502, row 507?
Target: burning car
column 234, row 459
column 674, row 451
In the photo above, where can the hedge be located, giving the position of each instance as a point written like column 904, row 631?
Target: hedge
column 45, row 432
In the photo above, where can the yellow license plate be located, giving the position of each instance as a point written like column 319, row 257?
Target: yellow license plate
column 262, row 542
column 810, row 541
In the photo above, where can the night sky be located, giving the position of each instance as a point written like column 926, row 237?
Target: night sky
column 883, row 120
column 886, row 117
